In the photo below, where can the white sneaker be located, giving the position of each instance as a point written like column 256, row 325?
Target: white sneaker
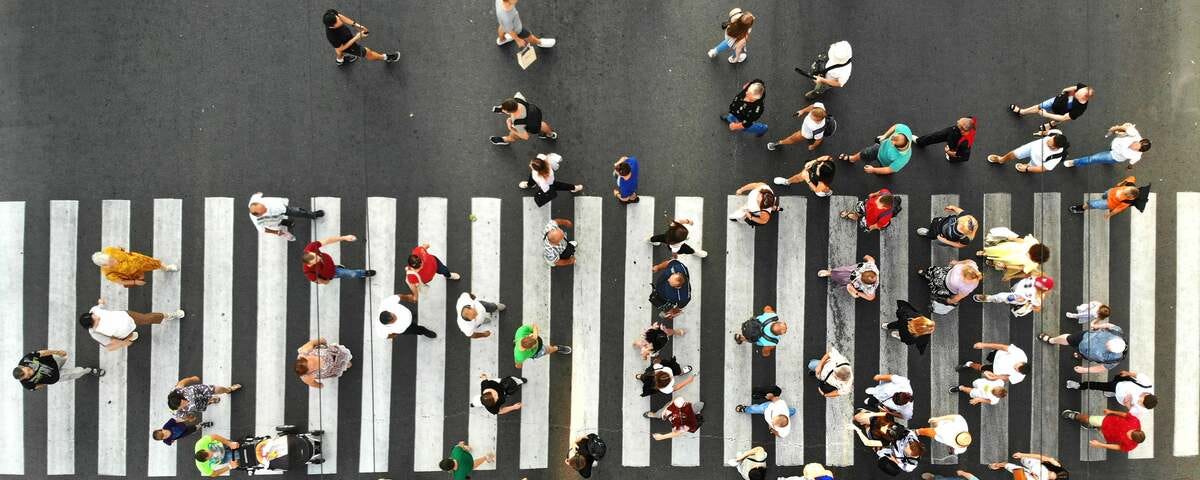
column 455, row 276
column 736, row 216
column 574, row 243
column 701, row 253
column 1072, row 315
column 523, row 184
column 176, row 315
column 547, row 43
column 288, row 236
column 507, row 38
column 781, row 181
column 922, row 231
column 1069, row 163
column 652, row 242
column 771, row 146
column 171, row 267
column 712, row 53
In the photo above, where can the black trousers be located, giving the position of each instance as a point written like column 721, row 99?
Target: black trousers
column 759, row 394
column 1109, row 386
column 557, row 185
column 684, row 249
column 415, row 329
column 299, row 212
column 939, row 136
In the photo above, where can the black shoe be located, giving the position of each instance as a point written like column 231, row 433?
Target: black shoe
column 319, row 213
column 206, row 424
column 551, row 136
column 347, row 59
column 1076, row 208
column 964, row 367
column 954, row 390
column 497, row 140
column 99, row 372
column 392, row 57
column 497, row 109
column 430, row 334
column 287, row 222
column 370, row 273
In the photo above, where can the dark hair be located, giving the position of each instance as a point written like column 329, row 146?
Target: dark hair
column 300, row 366
column 823, row 171
column 1150, row 401
column 1061, row 141
column 446, row 464
column 154, row 434
column 768, row 200
column 887, row 200
column 676, row 232
column 330, row 18
column 623, row 169
column 1039, row 253
column 901, row 398
column 488, row 400
column 1059, row 472
column 918, row 448
column 385, row 317
column 509, row 105
column 202, row 455
column 757, row 473
column 1138, row 436
column 1104, row 311
column 1145, row 143
column 173, row 400
column 1022, row 368
column 414, row 261
column 85, row 320
column 740, row 27
column 662, row 379
column 18, row 373
column 540, row 166
column 577, row 461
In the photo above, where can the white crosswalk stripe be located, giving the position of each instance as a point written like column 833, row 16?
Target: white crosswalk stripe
column 64, row 255
column 271, row 350
column 113, row 401
column 586, row 329
column 376, row 367
column 739, row 306
column 1187, row 328
column 791, row 279
column 1044, row 377
column 943, row 347
column 685, row 450
column 635, row 429
column 12, row 318
column 164, row 347
column 993, row 419
column 893, row 279
column 1142, row 282
column 839, row 330
column 1095, row 287
column 430, row 380
column 535, row 309
column 323, row 322
column 485, row 284
column 218, row 306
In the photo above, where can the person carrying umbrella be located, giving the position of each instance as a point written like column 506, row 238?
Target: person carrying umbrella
column 1117, row 199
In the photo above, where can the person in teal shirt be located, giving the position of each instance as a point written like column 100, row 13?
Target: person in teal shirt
column 461, row 463
column 214, row 455
column 892, row 150
column 527, row 345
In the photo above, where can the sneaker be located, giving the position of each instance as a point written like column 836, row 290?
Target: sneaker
column 923, row 231
column 176, row 315
column 915, row 137
column 780, row 180
column 649, row 415
column 1069, row 414
column 564, row 349
column 497, row 140
column 392, row 57
column 551, row 136
column 171, row 267
column 712, row 53
column 205, row 425
column 455, row 276
column 954, row 389
column 651, row 242
column 370, row 273
column 1072, row 385
column 772, row 146
column 1068, row 163
column 500, row 307
column 733, row 462
column 964, row 367
column 1077, row 209
column 577, row 189
column 1072, row 315
column 884, row 325
column 547, row 43
column 686, row 370
column 738, row 59
column 133, row 336
column 99, row 372
column 574, row 243
column 979, row 298
column 319, row 213
column 523, row 184
column 504, row 41
column 288, row 236
column 347, row 59
column 498, row 109
column 702, row 253
column 430, row 334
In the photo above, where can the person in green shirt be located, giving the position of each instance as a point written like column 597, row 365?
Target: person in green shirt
column 461, row 462
column 527, row 345
column 213, row 450
column 892, row 150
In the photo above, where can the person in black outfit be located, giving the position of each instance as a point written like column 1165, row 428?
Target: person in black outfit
column 675, row 237
column 38, row 369
column 955, row 230
column 493, row 395
column 523, row 119
column 1068, row 105
column 910, row 326
column 959, row 139
column 345, row 40
column 746, row 108
column 585, row 454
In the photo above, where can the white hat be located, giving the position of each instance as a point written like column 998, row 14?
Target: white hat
column 814, row 471
column 735, row 11
column 839, row 52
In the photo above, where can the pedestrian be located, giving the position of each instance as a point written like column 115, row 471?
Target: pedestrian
column 115, row 329
column 812, row 128
column 473, row 313
column 345, row 41
column 983, row 390
column 41, row 368
column 1027, row 470
column 959, row 138
column 676, row 239
column 625, row 173
column 655, row 339
column 320, row 268
column 557, row 250
column 190, row 398
column 684, row 417
column 541, row 179
column 1115, row 200
column 773, row 408
column 1068, row 105
column 317, row 359
column 511, row 28
column 737, row 34
column 528, row 345
column 762, row 331
column 861, row 279
column 950, row 284
column 1043, row 154
column 273, row 215
column 949, row 430
column 875, row 212
column 910, row 326
column 1102, row 344
column 746, row 108
column 461, row 463
column 1048, row 467
column 958, row 474
column 761, row 202
column 834, row 72
column 128, row 268
column 1026, row 296
column 892, row 150
column 175, row 430
column 817, row 174
column 893, row 394
column 397, row 319
column 954, row 230
column 751, row 464
column 834, row 375
column 522, row 118
column 1134, row 391
column 673, row 290
column 494, row 395
column 214, row 455
column 1090, row 311
column 1122, row 431
column 898, row 449
column 585, row 453
column 1127, row 146
column 421, row 268
column 660, row 377
column 1005, row 362
column 816, row 471
column 1016, row 256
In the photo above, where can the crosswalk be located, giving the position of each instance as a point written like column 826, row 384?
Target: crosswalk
column 834, row 323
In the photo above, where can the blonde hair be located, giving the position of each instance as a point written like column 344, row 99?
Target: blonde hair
column 921, row 326
column 818, row 113
column 101, row 259
column 970, row 272
column 971, row 223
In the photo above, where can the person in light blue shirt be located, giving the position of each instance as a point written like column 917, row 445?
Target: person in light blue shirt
column 768, row 330
column 1103, row 344
column 625, row 172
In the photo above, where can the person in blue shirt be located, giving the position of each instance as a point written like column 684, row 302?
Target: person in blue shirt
column 1103, row 345
column 770, row 328
column 672, row 290
column 174, row 430
column 625, row 172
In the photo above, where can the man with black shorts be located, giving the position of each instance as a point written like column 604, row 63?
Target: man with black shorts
column 511, row 28
column 523, row 118
column 345, row 41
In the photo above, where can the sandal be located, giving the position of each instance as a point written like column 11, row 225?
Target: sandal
column 1048, row 125
column 1044, row 338
column 1014, row 109
column 993, row 158
column 235, row 387
column 848, row 215
column 844, row 156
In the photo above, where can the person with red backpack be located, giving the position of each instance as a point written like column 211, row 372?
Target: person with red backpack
column 876, row 211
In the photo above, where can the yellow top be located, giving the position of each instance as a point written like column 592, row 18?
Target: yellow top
column 1014, row 254
column 129, row 266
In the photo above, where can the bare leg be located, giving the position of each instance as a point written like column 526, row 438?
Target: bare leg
column 545, row 129
column 1060, row 340
column 795, row 137
column 1029, row 110
column 373, row 55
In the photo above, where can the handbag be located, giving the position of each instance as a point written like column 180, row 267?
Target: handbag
column 526, row 57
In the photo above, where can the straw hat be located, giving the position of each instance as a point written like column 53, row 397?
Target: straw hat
column 839, row 52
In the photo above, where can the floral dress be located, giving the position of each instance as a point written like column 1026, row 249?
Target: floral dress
column 335, row 359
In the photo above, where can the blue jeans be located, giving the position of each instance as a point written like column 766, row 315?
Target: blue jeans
column 342, row 272
column 442, row 268
column 726, row 44
column 1103, row 158
column 757, row 128
column 812, row 364
column 1099, row 203
column 762, row 407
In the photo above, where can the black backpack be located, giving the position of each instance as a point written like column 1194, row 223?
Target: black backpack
column 596, row 447
column 752, row 329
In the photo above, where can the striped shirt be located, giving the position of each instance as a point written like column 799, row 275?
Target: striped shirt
column 550, row 251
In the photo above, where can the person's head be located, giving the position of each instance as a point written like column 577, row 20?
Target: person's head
column 1149, row 400
column 901, row 398
column 921, row 326
column 22, row 372
column 160, row 434
column 88, row 320
column 1116, row 345
column 102, row 259
column 971, row 272
column 386, row 317
column 257, row 209
column 757, row 473
column 1039, row 253
column 900, row 141
column 1021, row 367
column 331, row 19
column 414, row 262
column 968, row 225
column 554, row 236
column 965, row 124
column 509, row 106
column 780, row 421
column 1127, row 193
column 175, row 401
column 963, row 439
column 677, row 280
column 623, row 169
column 447, row 464
column 740, row 26
column 869, row 277
column 843, row 373
column 1142, row 145
column 577, row 462
column 528, row 342
column 300, row 366
column 676, row 233
column 815, row 470
column 1103, row 311
column 1059, row 140
column 1043, row 283
column 824, row 171
column 310, row 258
column 1000, row 392
column 468, row 313
column 886, row 201
column 202, row 455
column 540, row 166
column 818, row 114
column 1137, row 436
column 914, row 450
column 1084, row 94
column 779, row 328
column 755, row 91
column 489, row 398
column 767, row 200
column 662, row 378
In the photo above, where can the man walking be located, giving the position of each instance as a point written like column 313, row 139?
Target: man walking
column 397, row 320
column 345, row 41
column 673, row 289
column 115, row 329
column 175, row 430
column 746, row 108
column 836, row 71
column 1135, row 391
column 38, row 369
column 684, row 417
column 773, row 408
column 893, row 395
column 190, row 398
column 1044, row 153
column 1007, row 362
column 511, row 28
column 522, row 119
column 319, row 266
column 528, row 345
column 1026, row 295
column 763, row 331
column 892, row 150
column 273, row 215
column 959, row 138
column 1122, row 431
column 1102, row 344
column 461, row 463
column 422, row 267
column 473, row 313
column 556, row 249
column 1128, row 146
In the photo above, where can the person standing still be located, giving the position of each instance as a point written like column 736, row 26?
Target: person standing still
column 511, row 28
column 737, row 34
column 345, row 41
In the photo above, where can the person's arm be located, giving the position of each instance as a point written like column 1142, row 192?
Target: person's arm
column 1120, row 208
column 1091, row 369
column 821, row 364
column 679, row 386
column 308, row 346
column 1106, row 446
column 117, row 344
column 882, row 377
column 661, row 265
column 47, row 353
column 413, row 288
column 1055, row 117
column 666, row 436
column 801, row 113
column 188, row 381
column 510, row 408
column 992, row 376
column 747, row 187
column 562, row 262
column 312, row 382
column 340, row 238
column 878, row 170
column 957, row 298
column 863, row 438
column 833, row 82
column 1116, row 412
column 888, row 133
column 1119, row 129
column 990, row 346
column 562, row 222
column 978, row 401
column 832, row 394
column 512, row 129
column 952, row 243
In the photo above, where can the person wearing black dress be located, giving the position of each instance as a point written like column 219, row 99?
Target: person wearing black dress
column 493, row 395
column 585, row 454
column 661, row 377
column 910, row 326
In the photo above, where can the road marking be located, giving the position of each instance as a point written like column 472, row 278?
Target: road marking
column 1044, row 375
column 271, row 351
column 739, row 306
column 485, row 284
column 1095, row 287
column 585, row 325
column 218, row 305
column 535, row 309
column 993, row 419
column 112, row 397
column 893, row 281
column 12, row 320
column 164, row 338
column 635, row 429
column 943, row 347
column 324, row 318
column 430, row 400
column 685, row 450
column 791, row 277
column 1187, row 327
column 376, row 415
column 839, row 329
column 1142, row 256
column 64, row 258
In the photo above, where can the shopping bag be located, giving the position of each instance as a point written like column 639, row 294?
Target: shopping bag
column 526, row 57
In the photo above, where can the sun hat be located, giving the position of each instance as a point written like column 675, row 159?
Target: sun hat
column 839, row 52
column 815, row 471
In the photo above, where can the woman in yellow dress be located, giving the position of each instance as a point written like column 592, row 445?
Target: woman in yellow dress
column 128, row 268
column 1016, row 256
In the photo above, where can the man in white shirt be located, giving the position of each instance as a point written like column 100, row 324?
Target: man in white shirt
column 115, row 329
column 473, row 313
column 949, row 430
column 893, row 393
column 834, row 375
column 1008, row 362
column 1128, row 146
column 775, row 411
column 812, row 128
column 272, row 215
column 396, row 319
column 837, row 70
column 1044, row 153
column 1133, row 390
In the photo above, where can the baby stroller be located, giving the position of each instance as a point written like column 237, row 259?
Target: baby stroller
column 290, row 448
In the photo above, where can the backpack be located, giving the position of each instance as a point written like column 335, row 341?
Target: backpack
column 830, row 125
column 752, row 329
column 596, row 447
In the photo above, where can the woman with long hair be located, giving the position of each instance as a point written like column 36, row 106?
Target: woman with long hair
column 737, row 33
column 910, row 326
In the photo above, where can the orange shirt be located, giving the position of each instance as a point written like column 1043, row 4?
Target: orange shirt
column 1116, row 205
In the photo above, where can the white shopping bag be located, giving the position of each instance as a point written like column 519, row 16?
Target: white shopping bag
column 526, row 57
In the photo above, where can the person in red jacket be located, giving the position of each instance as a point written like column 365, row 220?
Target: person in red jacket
column 1121, row 430
column 876, row 211
column 421, row 268
column 320, row 268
